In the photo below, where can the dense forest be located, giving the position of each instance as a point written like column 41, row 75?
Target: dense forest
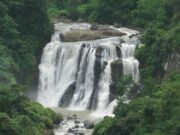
column 25, row 28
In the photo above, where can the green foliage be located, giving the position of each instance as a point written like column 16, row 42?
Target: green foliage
column 7, row 126
column 84, row 10
column 25, row 28
column 159, row 43
column 20, row 116
column 65, row 8
column 55, row 13
column 8, row 27
column 125, row 85
column 7, row 64
column 148, row 12
column 31, row 16
column 141, row 13
column 155, row 110
column 157, row 114
column 101, row 128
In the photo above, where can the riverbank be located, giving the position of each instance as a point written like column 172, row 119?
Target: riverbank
column 80, row 122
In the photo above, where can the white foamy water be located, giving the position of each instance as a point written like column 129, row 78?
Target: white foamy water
column 77, row 75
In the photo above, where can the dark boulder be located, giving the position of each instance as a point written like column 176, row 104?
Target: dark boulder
column 117, row 25
column 70, row 130
column 76, row 121
column 94, row 26
column 76, row 126
column 88, row 124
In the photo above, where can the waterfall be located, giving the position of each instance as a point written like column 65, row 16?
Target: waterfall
column 130, row 64
column 78, row 75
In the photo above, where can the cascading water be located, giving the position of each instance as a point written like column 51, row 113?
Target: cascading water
column 130, row 64
column 77, row 75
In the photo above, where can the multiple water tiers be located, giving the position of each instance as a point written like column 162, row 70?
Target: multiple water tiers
column 80, row 75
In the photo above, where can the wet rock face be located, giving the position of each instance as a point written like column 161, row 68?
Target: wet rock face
column 117, row 70
column 118, row 50
column 68, row 95
column 173, row 63
column 113, row 91
column 61, row 37
column 97, row 73
column 99, row 52
column 116, row 73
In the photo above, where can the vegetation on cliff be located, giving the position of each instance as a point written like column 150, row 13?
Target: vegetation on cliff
column 20, row 116
column 156, row 113
column 24, row 29
column 155, row 109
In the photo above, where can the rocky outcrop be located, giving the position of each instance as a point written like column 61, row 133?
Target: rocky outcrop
column 116, row 73
column 88, row 124
column 117, row 70
column 73, row 125
column 49, row 132
column 75, row 35
column 94, row 26
column 68, row 95
column 173, row 63
column 117, row 25
column 61, row 37
column 98, row 69
column 118, row 51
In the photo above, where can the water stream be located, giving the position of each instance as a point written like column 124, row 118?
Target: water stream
column 77, row 76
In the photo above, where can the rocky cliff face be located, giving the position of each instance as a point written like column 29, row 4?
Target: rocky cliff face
column 173, row 63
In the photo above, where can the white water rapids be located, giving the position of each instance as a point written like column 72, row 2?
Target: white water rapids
column 77, row 75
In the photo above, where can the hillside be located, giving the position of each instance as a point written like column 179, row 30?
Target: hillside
column 27, row 25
